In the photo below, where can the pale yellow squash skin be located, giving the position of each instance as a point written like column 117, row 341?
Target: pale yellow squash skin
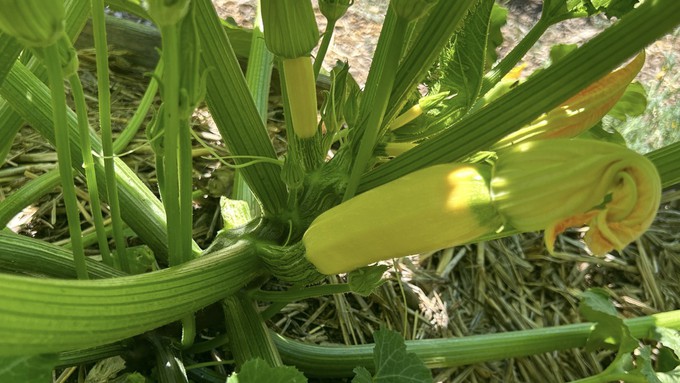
column 430, row 209
column 301, row 89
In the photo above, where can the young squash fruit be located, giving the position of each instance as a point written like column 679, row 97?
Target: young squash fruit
column 541, row 185
column 426, row 210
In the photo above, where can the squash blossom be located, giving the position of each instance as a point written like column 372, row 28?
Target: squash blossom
column 581, row 111
column 557, row 184
column 551, row 185
column 35, row 23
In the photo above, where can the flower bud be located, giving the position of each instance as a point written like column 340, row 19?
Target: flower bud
column 561, row 183
column 35, row 23
column 290, row 29
column 582, row 111
column 166, row 12
column 334, row 9
column 410, row 10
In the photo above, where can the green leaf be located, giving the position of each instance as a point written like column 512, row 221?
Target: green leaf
column 393, row 364
column 257, row 371
column 614, row 8
column 464, row 63
column 365, row 280
column 668, row 359
column 597, row 132
column 669, row 377
column 362, row 375
column 609, row 328
column 498, row 18
column 558, row 51
column 235, row 213
column 643, row 363
column 670, row 338
column 27, row 369
column 633, row 103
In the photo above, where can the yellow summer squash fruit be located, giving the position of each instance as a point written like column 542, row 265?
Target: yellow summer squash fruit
column 540, row 185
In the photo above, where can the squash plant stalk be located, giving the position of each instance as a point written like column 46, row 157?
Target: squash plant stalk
column 90, row 175
column 443, row 20
column 384, row 71
column 171, row 130
column 324, row 361
column 104, row 102
column 323, row 47
column 258, row 79
column 249, row 336
column 69, row 314
column 61, row 134
column 235, row 113
column 541, row 92
column 508, row 62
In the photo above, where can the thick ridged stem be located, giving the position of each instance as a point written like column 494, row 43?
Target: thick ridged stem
column 249, row 337
column 52, row 315
column 179, row 246
column 378, row 88
column 324, row 361
column 235, row 113
column 541, row 92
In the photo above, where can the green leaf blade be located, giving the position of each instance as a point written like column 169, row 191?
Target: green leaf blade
column 257, row 371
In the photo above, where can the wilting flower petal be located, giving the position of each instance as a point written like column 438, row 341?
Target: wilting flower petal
column 557, row 184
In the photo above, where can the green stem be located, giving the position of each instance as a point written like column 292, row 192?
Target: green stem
column 137, row 119
column 234, row 111
column 323, row 48
column 541, row 92
column 91, row 355
column 61, row 133
column 26, row 195
column 52, row 315
column 20, row 254
column 248, row 334
column 142, row 211
column 260, row 63
column 666, row 161
column 88, row 166
column 258, row 79
column 379, row 85
column 337, row 361
column 11, row 124
column 495, row 75
column 437, row 29
column 300, row 294
column 171, row 143
column 104, row 102
column 188, row 330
